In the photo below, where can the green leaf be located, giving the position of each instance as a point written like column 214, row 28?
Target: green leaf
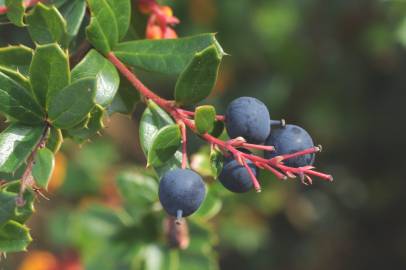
column 139, row 192
column 94, row 125
column 96, row 66
column 43, row 167
column 46, row 25
column 55, row 140
column 164, row 145
column 18, row 78
column 49, row 72
column 15, row 12
column 72, row 104
column 152, row 120
column 211, row 206
column 205, row 117
column 17, row 103
column 125, row 99
column 17, row 58
column 216, row 162
column 16, row 144
column 102, row 31
column 168, row 56
column 122, row 12
column 8, row 204
column 14, row 237
column 11, row 210
column 198, row 79
column 73, row 11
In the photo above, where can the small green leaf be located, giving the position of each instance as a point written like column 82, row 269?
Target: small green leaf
column 94, row 65
column 17, row 58
column 216, row 162
column 125, row 99
column 73, row 11
column 16, row 144
column 72, row 104
column 94, row 125
column 15, row 12
column 14, row 237
column 43, row 167
column 46, row 25
column 198, row 79
column 102, row 31
column 55, row 140
column 17, row 103
column 49, row 72
column 164, row 145
column 167, row 56
column 205, row 117
column 122, row 12
column 152, row 120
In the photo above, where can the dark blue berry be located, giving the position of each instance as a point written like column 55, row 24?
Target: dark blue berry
column 235, row 177
column 288, row 140
column 249, row 118
column 181, row 190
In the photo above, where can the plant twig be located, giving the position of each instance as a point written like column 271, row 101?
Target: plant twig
column 275, row 165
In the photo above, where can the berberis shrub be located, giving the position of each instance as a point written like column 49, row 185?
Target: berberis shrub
column 81, row 70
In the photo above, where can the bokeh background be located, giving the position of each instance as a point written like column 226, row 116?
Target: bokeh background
column 336, row 68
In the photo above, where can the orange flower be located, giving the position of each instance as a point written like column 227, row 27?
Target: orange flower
column 160, row 21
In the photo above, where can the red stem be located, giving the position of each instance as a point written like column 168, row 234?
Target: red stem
column 166, row 104
column 184, row 144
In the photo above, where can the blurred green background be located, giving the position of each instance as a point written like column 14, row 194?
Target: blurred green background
column 335, row 67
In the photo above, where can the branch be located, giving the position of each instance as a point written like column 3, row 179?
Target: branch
column 27, row 179
column 274, row 165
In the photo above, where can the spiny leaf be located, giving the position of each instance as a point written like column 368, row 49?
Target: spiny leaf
column 16, row 144
column 73, row 11
column 17, row 58
column 17, row 103
column 96, row 66
column 15, row 12
column 198, row 79
column 102, row 31
column 46, row 25
column 168, row 56
column 49, row 72
column 72, row 104
column 14, row 237
column 94, row 125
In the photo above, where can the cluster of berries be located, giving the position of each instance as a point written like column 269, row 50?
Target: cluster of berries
column 288, row 150
column 160, row 21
